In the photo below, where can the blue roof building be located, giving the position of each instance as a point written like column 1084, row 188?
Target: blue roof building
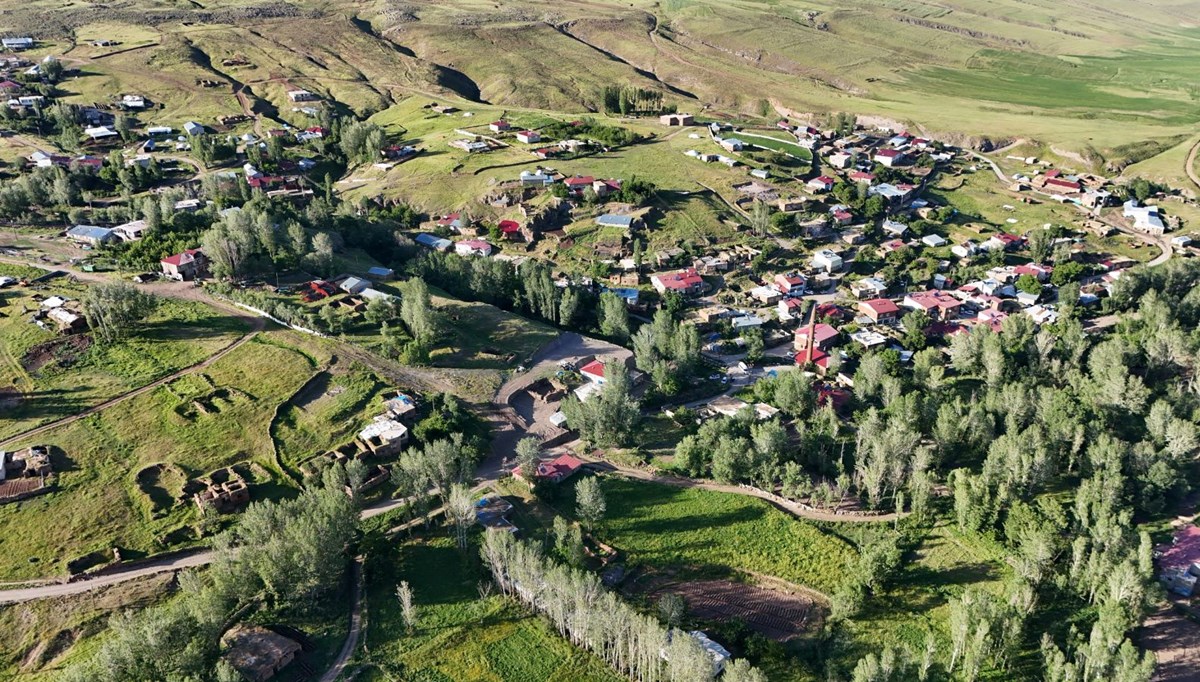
column 613, row 220
column 90, row 234
column 433, row 241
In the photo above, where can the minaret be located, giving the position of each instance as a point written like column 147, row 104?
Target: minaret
column 812, row 334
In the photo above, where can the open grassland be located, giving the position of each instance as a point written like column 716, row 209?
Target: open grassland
column 461, row 635
column 710, row 533
column 43, row 377
column 191, row 426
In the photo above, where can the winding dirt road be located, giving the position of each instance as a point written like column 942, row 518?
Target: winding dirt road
column 1189, row 166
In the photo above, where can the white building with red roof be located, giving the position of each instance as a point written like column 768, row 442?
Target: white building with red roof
column 826, row 337
column 556, row 470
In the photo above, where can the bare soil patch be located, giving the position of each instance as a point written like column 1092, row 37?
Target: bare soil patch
column 776, row 615
column 64, row 351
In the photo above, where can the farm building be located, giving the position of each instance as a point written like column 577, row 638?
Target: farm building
column 91, row 235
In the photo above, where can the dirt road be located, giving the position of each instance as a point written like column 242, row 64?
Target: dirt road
column 171, row 290
column 779, row 503
column 356, row 619
column 1189, row 166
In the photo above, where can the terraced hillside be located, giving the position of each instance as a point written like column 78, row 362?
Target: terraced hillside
column 1105, row 78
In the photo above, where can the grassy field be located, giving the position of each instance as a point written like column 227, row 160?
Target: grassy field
column 944, row 564
column 192, row 425
column 326, row 412
column 177, row 335
column 50, row 633
column 710, row 533
column 461, row 635
column 481, row 336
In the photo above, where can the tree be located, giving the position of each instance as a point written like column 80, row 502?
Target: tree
column 915, row 323
column 589, row 501
column 114, row 309
column 529, row 453
column 322, row 255
column 461, row 511
column 672, row 609
column 760, row 218
column 408, row 610
column 614, row 317
column 609, row 417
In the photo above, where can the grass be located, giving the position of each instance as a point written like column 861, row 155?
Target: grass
column 941, row 567
column 480, row 336
column 177, row 335
column 461, row 635
column 52, row 632
column 98, row 503
column 711, row 533
column 326, row 412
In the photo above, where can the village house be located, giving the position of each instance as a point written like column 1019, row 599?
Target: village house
column 732, row 144
column 131, row 231
column 841, row 160
column 384, row 436
column 353, row 285
column 302, row 96
column 933, row 241
column 823, row 183
column 1002, row 241
column 16, row 44
column 677, row 120
column 184, row 266
column 499, row 126
column 626, row 222
column 868, row 287
column 556, row 470
column 1145, row 218
column 940, row 305
column 889, row 158
column 133, row 102
column 791, row 284
column 766, row 295
column 826, row 337
column 879, row 310
column 434, row 242
column 473, row 247
column 24, row 473
column 685, row 282
column 258, row 653
column 790, row 309
column 827, row 260
column 529, row 136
